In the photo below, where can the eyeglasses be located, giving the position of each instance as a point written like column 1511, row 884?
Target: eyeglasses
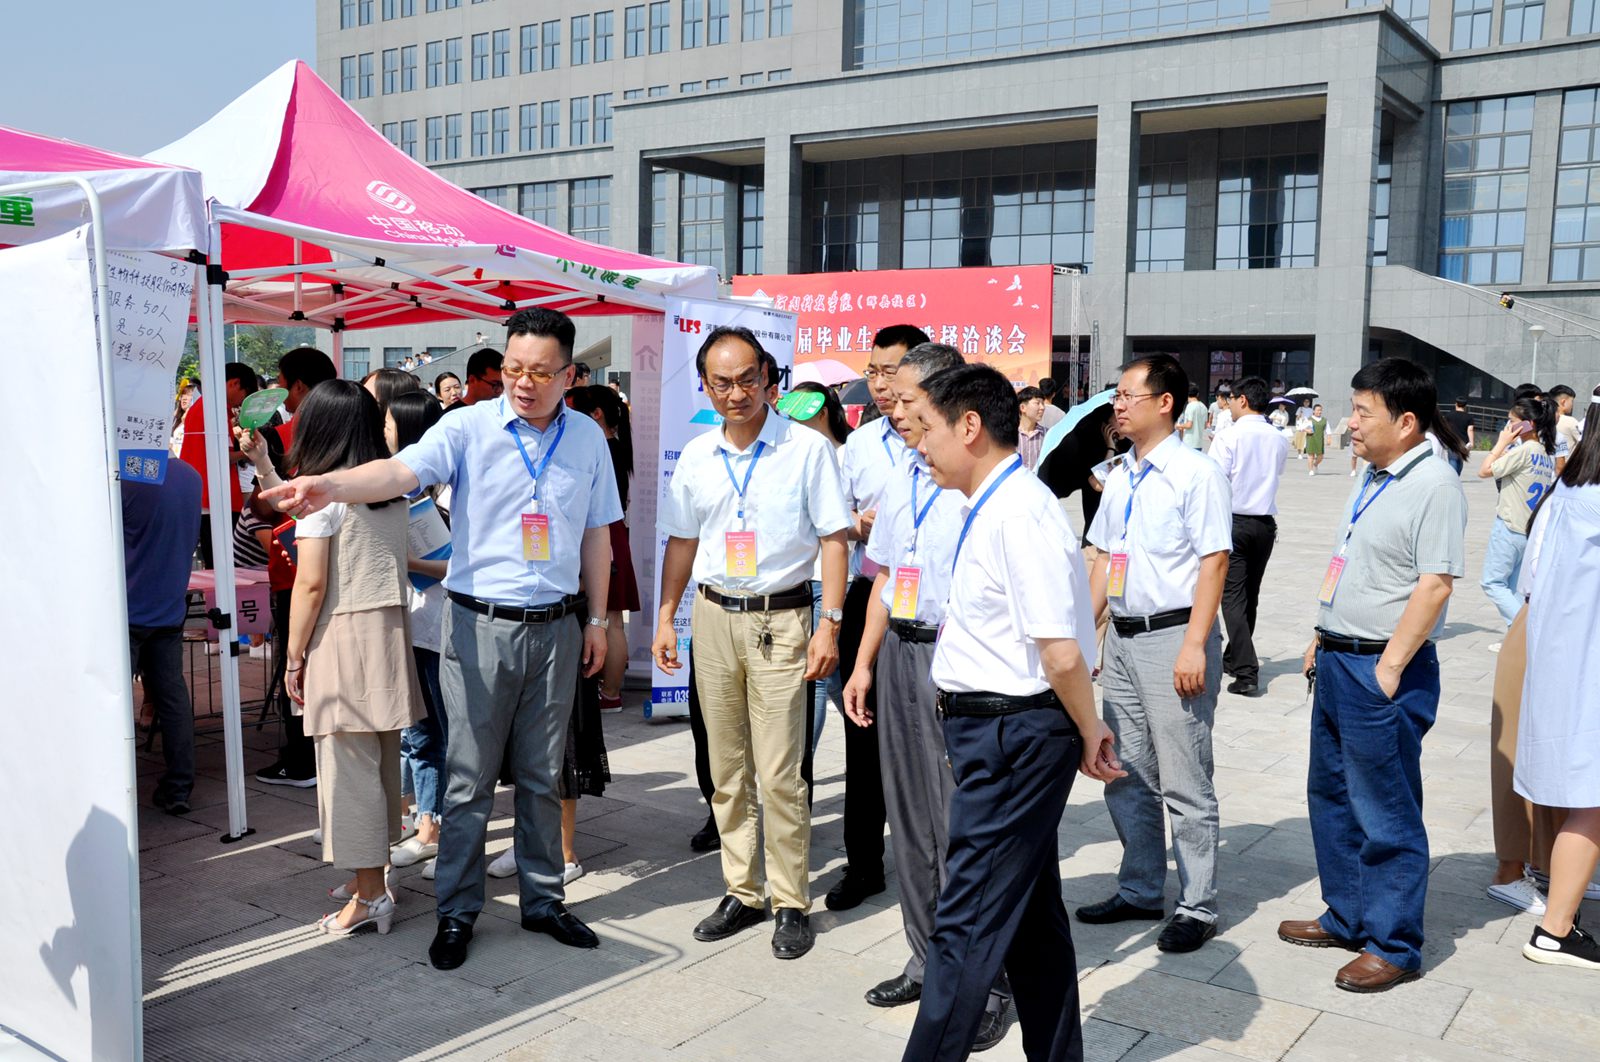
column 534, row 376
column 723, row 388
column 1127, row 398
column 875, row 373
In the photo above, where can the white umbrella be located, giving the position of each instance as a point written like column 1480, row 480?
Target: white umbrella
column 1299, row 391
column 824, row 371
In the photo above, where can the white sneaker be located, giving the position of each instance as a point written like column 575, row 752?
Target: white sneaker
column 1352, row 473
column 572, row 873
column 411, row 851
column 1522, row 894
column 1495, row 647
column 505, row 864
column 316, row 835
column 429, row 869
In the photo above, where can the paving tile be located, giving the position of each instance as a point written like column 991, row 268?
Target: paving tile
column 1238, row 1022
column 663, row 1011
column 582, row 1041
column 1518, row 1028
column 177, row 914
column 773, row 1030
column 1333, row 1038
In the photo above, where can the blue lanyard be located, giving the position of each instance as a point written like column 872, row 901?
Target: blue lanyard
column 544, row 462
column 974, row 511
column 740, row 488
column 894, row 461
column 1127, row 514
column 1363, row 503
column 917, row 516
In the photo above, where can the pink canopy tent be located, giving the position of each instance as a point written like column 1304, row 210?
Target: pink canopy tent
column 326, row 222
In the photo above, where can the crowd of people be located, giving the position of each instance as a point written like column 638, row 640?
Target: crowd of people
column 918, row 571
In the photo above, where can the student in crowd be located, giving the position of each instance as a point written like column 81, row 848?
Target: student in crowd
column 1460, row 422
column 871, row 455
column 1221, row 412
column 747, row 509
column 1054, row 400
column 1556, row 756
column 241, row 382
column 384, row 384
column 1012, row 672
column 1252, row 456
column 447, row 389
column 348, row 651
column 1316, row 438
column 1523, row 466
column 484, row 383
column 1566, row 424
column 1192, row 422
column 1382, row 605
column 1030, row 426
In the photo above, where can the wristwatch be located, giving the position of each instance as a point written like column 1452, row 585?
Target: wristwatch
column 835, row 614
column 603, row 622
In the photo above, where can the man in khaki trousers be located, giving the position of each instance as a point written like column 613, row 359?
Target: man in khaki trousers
column 748, row 509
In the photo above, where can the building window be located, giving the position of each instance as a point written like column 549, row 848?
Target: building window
column 452, row 136
column 347, row 14
column 528, row 48
column 658, row 213
column 391, row 132
column 1162, row 204
column 750, row 79
column 1268, row 178
column 1576, row 253
column 408, row 68
column 714, row 83
column 687, row 87
column 435, row 63
column 347, row 77
column 660, row 26
column 779, row 75
column 702, row 228
column 366, row 77
column 356, row 360
column 364, row 11
column 1469, row 27
column 500, row 130
column 844, row 200
column 480, row 57
column 1010, row 206
column 500, row 195
column 408, row 135
column 391, row 71
column 388, row 9
column 580, row 40
column 752, row 201
column 393, row 356
column 589, row 211
column 480, row 133
column 602, row 118
column 604, row 22
column 452, row 61
column 1522, row 20
column 435, row 139
column 754, row 18
column 717, row 22
column 550, row 39
column 780, row 18
column 550, row 127
column 502, row 52
column 539, row 203
column 656, row 90
column 633, row 31
column 528, row 127
column 1383, row 183
column 1487, row 144
column 632, row 94
column 1415, row 12
column 1585, row 17
column 578, row 130
column 694, row 25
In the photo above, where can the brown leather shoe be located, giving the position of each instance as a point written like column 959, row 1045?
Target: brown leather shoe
column 1369, row 973
column 1310, row 934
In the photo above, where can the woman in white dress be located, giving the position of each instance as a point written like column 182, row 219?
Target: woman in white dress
column 1558, row 740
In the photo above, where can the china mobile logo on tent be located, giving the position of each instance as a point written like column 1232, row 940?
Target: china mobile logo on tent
column 389, row 196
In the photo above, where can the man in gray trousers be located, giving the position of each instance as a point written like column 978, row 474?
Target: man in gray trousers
column 913, row 541
column 1164, row 530
column 533, row 496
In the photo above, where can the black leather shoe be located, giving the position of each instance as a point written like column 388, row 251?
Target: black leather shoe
column 706, row 839
column 1185, row 934
column 566, row 927
column 449, row 947
column 851, row 890
column 1243, row 687
column 1117, row 909
column 792, row 937
column 895, row 992
column 730, row 916
column 992, row 1029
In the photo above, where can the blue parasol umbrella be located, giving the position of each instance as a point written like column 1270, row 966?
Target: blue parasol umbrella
column 1073, row 418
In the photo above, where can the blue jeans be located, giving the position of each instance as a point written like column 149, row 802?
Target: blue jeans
column 1502, row 565
column 832, row 686
column 423, row 746
column 1364, row 794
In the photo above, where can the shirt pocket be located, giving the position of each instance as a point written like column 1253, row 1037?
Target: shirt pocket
column 781, row 513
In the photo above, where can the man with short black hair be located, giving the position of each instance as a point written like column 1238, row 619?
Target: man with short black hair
column 580, row 374
column 1383, row 599
column 1220, row 414
column 1192, row 424
column 1567, row 430
column 1054, row 398
column 483, row 379
column 1030, row 426
column 1012, row 668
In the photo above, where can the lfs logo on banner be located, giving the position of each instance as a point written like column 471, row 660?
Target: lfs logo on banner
column 685, row 413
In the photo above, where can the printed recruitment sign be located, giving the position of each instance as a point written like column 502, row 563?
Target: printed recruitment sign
column 1000, row 316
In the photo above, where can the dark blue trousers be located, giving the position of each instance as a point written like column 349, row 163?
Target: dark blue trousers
column 1364, row 795
column 1001, row 903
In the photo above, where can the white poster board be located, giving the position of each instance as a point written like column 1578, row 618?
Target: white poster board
column 644, row 413
column 69, row 896
column 149, row 304
column 685, row 413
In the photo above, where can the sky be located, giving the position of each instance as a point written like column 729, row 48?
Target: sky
column 134, row 75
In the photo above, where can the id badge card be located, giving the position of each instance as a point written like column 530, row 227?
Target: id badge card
column 1330, row 581
column 1117, row 575
column 907, row 586
column 535, row 536
column 740, row 547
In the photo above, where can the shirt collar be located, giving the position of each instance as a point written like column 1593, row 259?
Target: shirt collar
column 1408, row 460
column 994, row 473
column 1160, row 455
column 1258, row 416
column 772, row 432
column 508, row 416
column 1037, row 431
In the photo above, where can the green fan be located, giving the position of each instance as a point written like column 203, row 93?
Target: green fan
column 800, row 405
column 259, row 407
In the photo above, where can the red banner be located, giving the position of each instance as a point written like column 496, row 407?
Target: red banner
column 997, row 316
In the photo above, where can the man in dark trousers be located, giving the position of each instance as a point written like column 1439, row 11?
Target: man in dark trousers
column 1012, row 670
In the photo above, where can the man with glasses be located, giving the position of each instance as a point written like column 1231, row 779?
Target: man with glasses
column 1164, row 530
column 534, row 496
column 484, row 381
column 746, row 512
column 871, row 455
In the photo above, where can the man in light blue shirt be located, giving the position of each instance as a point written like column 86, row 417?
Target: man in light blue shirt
column 534, row 494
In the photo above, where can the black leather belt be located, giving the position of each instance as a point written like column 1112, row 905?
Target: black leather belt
column 794, row 597
column 1255, row 516
column 984, row 704
column 1144, row 624
column 541, row 614
column 916, row 633
column 1339, row 643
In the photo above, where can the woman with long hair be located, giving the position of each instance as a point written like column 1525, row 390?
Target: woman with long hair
column 1523, row 465
column 384, row 384
column 1558, row 738
column 349, row 663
